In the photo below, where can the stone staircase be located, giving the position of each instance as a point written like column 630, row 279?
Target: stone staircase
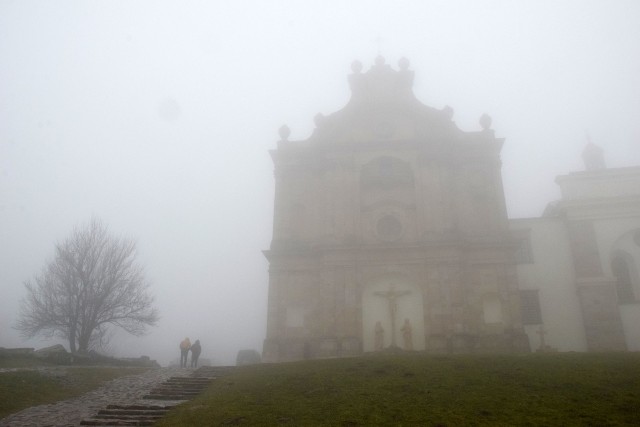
column 127, row 415
column 172, row 392
column 179, row 388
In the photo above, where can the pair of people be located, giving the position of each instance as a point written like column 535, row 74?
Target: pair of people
column 185, row 347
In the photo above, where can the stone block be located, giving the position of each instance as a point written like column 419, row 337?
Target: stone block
column 50, row 351
column 247, row 357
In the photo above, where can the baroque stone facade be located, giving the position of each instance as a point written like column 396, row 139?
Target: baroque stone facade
column 390, row 215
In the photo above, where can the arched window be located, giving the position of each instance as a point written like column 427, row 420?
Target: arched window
column 625, row 264
column 624, row 285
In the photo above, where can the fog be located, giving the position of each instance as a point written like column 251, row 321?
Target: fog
column 157, row 117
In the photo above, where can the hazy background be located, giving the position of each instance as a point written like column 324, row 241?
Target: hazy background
column 157, row 117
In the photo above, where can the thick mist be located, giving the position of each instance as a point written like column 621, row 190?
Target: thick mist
column 157, row 117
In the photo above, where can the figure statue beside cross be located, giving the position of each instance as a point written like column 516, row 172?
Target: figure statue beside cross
column 542, row 332
column 391, row 296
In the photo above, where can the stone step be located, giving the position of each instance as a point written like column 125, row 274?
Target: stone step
column 197, row 381
column 142, row 407
column 130, row 412
column 127, row 415
column 172, row 393
column 166, row 397
column 198, row 389
column 175, row 391
column 177, row 385
column 99, row 422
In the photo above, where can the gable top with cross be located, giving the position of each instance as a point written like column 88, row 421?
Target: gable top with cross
column 383, row 107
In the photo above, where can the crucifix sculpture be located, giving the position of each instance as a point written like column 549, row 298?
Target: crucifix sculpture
column 391, row 295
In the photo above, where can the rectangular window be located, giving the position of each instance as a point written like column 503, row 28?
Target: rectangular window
column 523, row 253
column 531, row 314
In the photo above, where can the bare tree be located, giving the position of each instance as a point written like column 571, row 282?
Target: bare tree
column 92, row 284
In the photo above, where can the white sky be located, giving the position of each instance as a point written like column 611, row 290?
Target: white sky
column 157, row 116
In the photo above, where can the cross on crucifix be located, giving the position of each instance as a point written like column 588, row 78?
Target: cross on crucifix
column 378, row 41
column 391, row 295
column 542, row 333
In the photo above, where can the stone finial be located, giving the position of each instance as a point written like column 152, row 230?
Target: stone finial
column 356, row 67
column 284, row 132
column 485, row 121
column 403, row 64
column 593, row 156
column 448, row 112
column 379, row 61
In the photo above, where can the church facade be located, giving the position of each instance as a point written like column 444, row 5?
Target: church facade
column 578, row 263
column 390, row 230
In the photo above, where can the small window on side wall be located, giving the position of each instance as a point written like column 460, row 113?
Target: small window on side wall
column 530, row 301
column 624, row 286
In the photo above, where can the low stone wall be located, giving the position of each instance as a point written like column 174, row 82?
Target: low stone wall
column 16, row 352
column 58, row 355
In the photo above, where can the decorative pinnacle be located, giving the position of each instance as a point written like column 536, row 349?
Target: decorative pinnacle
column 485, row 121
column 284, row 132
column 593, row 156
column 356, row 67
column 403, row 63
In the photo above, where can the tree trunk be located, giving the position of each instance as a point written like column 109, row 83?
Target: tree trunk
column 72, row 340
column 83, row 344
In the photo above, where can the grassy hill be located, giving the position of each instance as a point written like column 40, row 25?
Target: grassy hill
column 421, row 390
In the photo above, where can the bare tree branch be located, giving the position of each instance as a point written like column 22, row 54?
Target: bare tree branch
column 92, row 284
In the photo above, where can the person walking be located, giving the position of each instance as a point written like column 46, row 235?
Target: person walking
column 195, row 353
column 185, row 346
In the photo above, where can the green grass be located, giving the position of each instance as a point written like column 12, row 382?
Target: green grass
column 25, row 388
column 420, row 390
column 23, row 362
